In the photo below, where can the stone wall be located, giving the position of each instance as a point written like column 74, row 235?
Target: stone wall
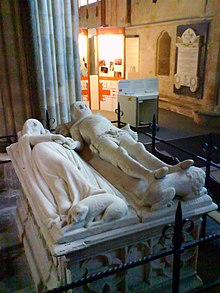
column 107, row 13
column 166, row 16
column 149, row 20
column 89, row 17
column 145, row 11
column 148, row 36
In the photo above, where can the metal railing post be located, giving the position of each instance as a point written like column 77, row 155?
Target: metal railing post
column 177, row 244
column 47, row 120
column 209, row 150
column 177, row 240
column 154, row 130
column 119, row 115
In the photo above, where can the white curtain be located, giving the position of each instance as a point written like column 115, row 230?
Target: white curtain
column 57, row 30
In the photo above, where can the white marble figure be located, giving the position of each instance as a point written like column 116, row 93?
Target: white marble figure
column 107, row 207
column 37, row 133
column 60, row 176
column 118, row 146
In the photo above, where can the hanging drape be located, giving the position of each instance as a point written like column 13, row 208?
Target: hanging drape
column 57, row 30
column 16, row 101
column 39, row 61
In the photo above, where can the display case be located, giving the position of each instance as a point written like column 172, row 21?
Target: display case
column 84, row 66
column 110, row 65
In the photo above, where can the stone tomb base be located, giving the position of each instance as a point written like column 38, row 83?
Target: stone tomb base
column 53, row 265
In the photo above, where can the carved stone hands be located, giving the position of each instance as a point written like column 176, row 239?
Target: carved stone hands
column 58, row 138
column 71, row 144
column 75, row 134
column 67, row 142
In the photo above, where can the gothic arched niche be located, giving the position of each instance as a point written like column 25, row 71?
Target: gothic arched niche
column 163, row 54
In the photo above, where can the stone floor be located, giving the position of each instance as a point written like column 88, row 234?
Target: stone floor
column 15, row 275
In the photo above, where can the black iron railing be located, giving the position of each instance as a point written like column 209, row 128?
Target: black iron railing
column 212, row 185
column 209, row 149
column 48, row 121
column 178, row 238
column 176, row 250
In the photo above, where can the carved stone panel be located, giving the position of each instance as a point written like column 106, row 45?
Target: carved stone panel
column 153, row 276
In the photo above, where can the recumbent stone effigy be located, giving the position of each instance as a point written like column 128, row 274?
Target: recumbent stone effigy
column 88, row 219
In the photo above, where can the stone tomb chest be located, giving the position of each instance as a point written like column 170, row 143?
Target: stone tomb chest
column 54, row 264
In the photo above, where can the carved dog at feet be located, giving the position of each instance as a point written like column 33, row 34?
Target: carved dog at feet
column 107, row 206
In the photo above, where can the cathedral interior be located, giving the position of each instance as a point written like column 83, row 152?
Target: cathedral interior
column 150, row 64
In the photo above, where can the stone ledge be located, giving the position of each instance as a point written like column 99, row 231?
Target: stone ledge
column 210, row 118
column 176, row 107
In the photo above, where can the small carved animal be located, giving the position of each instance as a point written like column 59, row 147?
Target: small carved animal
column 105, row 207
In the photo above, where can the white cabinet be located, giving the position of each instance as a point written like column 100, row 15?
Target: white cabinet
column 138, row 110
column 138, row 101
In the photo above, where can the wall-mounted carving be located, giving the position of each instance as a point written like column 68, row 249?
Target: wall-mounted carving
column 187, row 60
column 190, row 59
column 163, row 54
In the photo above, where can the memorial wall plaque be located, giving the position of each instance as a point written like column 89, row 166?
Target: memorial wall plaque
column 190, row 59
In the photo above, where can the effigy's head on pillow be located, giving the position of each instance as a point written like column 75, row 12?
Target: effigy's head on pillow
column 33, row 127
column 79, row 110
